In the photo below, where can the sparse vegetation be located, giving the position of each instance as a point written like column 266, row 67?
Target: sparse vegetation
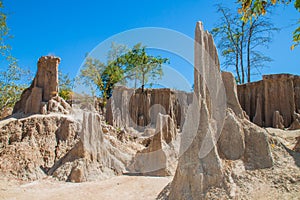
column 122, row 64
column 239, row 42
column 252, row 9
column 66, row 85
column 10, row 86
column 13, row 79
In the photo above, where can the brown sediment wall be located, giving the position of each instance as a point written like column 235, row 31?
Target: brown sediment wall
column 136, row 108
column 276, row 92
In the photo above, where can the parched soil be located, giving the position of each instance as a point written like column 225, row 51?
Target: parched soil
column 121, row 187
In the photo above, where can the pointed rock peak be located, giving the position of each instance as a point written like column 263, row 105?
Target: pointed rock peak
column 199, row 26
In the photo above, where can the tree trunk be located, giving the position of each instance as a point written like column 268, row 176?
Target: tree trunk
column 235, row 43
column 143, row 81
column 248, row 53
column 248, row 60
column 237, row 67
column 241, row 53
column 135, row 80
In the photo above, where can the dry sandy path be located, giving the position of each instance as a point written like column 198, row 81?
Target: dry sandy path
column 121, row 187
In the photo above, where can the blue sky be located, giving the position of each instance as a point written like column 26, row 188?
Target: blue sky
column 70, row 29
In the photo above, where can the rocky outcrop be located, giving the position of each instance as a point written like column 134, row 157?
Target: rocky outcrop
column 92, row 157
column 60, row 146
column 275, row 93
column 216, row 131
column 231, row 94
column 159, row 158
column 138, row 109
column 31, row 146
column 42, row 96
column 231, row 144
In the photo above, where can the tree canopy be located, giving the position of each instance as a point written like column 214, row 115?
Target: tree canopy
column 101, row 77
column 141, row 66
column 239, row 42
column 66, row 85
column 123, row 64
column 253, row 8
column 10, row 86
column 12, row 77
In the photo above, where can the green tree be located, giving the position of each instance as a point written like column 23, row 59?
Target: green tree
column 141, row 66
column 104, row 77
column 122, row 65
column 251, row 9
column 66, row 85
column 11, row 85
column 12, row 77
column 4, row 36
column 239, row 41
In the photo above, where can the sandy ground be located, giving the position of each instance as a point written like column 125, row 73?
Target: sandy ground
column 121, row 187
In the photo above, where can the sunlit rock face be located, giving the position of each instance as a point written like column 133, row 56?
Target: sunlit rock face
column 216, row 130
column 139, row 108
column 160, row 156
column 60, row 146
column 276, row 96
column 42, row 96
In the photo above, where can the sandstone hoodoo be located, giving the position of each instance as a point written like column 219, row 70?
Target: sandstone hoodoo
column 42, row 96
column 203, row 162
column 273, row 101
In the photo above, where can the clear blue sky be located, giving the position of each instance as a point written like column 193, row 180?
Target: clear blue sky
column 72, row 28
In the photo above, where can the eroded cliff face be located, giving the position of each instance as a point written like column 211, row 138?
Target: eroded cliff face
column 59, row 146
column 138, row 109
column 42, row 96
column 273, row 101
column 31, row 146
